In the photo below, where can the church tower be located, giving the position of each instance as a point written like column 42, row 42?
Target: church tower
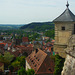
column 64, row 29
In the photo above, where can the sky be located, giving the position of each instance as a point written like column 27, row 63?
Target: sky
column 27, row 11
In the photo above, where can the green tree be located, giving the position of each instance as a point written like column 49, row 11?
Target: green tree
column 21, row 60
column 16, row 64
column 22, row 71
column 7, row 58
column 50, row 33
column 59, row 63
column 30, row 72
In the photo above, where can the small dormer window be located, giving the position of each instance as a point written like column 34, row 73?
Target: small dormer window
column 63, row 28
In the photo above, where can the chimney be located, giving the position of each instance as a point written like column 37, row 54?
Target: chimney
column 36, row 50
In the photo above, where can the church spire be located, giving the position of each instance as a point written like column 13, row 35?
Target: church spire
column 67, row 4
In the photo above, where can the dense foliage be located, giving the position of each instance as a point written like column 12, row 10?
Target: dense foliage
column 59, row 63
column 7, row 58
column 39, row 26
column 50, row 33
column 22, row 71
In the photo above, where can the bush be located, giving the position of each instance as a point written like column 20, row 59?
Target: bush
column 59, row 63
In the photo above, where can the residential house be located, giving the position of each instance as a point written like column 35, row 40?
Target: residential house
column 48, row 48
column 21, row 50
column 3, row 47
column 25, row 41
column 40, row 62
column 9, row 45
column 45, row 38
column 37, row 44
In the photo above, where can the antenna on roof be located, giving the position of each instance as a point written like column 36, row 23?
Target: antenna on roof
column 67, row 4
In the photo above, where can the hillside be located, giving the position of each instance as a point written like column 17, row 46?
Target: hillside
column 9, row 26
column 39, row 26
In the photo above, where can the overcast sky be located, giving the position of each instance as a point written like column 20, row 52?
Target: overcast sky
column 27, row 11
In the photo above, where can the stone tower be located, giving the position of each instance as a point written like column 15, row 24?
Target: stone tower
column 64, row 29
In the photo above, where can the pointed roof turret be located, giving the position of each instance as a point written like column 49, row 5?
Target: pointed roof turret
column 66, row 16
column 67, row 4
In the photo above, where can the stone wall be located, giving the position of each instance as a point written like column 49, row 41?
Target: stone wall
column 69, row 66
column 62, row 36
column 60, row 50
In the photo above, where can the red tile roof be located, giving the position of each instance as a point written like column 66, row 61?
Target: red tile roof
column 21, row 49
column 25, row 39
column 3, row 44
column 53, row 41
column 15, row 53
column 30, row 45
column 40, row 62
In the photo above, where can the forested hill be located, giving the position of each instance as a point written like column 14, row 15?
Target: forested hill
column 38, row 26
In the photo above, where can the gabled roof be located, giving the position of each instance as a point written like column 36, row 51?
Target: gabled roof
column 66, row 16
column 40, row 62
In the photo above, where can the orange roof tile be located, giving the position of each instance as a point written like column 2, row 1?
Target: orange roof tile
column 3, row 43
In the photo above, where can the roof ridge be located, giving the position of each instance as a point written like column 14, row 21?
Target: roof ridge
column 66, row 16
column 60, row 15
column 70, row 14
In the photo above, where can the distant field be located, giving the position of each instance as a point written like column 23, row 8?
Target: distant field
column 10, row 26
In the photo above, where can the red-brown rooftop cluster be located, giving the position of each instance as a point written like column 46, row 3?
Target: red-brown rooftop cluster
column 25, row 39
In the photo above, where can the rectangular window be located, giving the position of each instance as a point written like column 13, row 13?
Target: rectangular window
column 63, row 28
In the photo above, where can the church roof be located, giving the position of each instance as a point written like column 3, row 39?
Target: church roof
column 66, row 16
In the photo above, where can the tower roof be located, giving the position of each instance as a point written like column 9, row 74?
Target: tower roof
column 66, row 16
